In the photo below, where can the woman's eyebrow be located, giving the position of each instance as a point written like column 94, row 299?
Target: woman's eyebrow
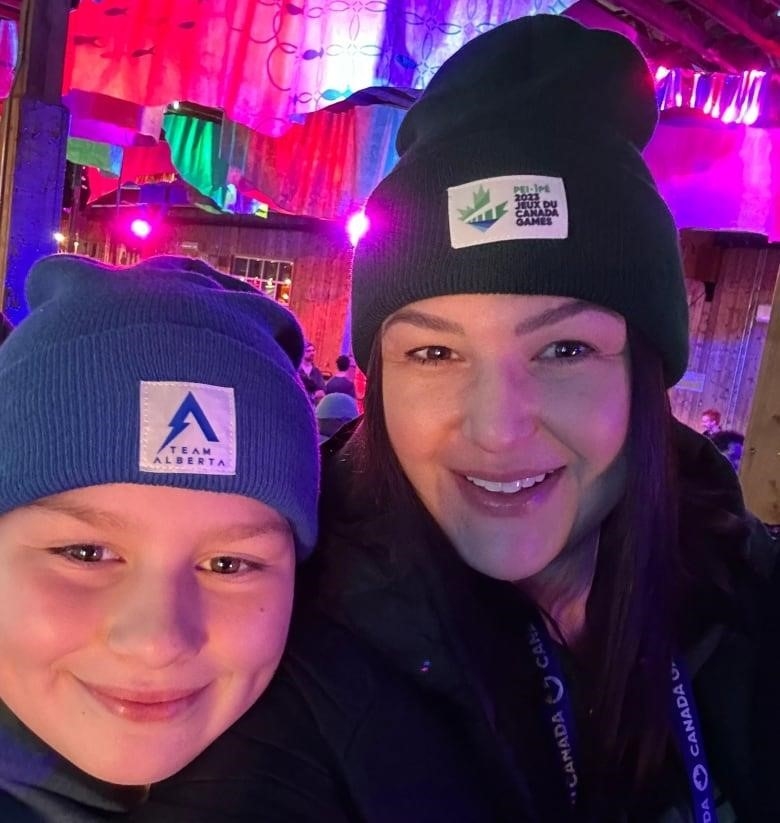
column 549, row 317
column 429, row 322
column 555, row 315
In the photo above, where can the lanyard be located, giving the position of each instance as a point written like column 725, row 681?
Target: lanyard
column 559, row 717
column 558, row 712
column 685, row 720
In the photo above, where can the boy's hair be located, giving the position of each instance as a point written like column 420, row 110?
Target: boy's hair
column 164, row 373
column 343, row 362
column 713, row 413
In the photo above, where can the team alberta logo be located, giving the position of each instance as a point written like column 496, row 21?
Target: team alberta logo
column 187, row 428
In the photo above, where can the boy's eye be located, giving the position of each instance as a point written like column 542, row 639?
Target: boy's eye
column 431, row 354
column 566, row 350
column 228, row 564
column 86, row 553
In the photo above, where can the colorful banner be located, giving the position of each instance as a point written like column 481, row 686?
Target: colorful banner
column 265, row 64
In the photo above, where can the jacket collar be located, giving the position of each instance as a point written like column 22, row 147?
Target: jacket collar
column 393, row 579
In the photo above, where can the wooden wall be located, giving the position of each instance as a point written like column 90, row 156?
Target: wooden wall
column 760, row 467
column 321, row 258
column 727, row 340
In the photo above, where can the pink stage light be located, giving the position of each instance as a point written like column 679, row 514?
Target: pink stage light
column 141, row 228
column 729, row 98
column 357, row 226
column 660, row 73
column 751, row 115
column 730, row 115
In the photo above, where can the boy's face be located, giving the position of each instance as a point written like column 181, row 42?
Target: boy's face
column 138, row 622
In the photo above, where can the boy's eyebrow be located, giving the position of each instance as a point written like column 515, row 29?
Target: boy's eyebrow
column 94, row 517
column 246, row 531
column 99, row 518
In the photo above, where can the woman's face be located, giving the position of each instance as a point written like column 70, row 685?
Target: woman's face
column 138, row 622
column 508, row 414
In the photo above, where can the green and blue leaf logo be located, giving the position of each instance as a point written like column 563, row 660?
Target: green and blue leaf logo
column 481, row 214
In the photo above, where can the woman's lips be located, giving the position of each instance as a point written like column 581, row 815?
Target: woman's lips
column 515, row 504
column 145, row 706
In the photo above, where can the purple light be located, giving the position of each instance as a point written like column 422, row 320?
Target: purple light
column 357, row 226
column 660, row 73
column 716, row 109
column 730, row 115
column 694, row 89
column 141, row 228
column 751, row 115
column 730, row 98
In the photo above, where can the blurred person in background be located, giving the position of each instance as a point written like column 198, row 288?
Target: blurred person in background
column 343, row 381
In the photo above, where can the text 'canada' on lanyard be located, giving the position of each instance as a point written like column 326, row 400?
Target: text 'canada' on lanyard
column 559, row 715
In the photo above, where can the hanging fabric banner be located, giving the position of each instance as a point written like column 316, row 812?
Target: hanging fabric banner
column 264, row 64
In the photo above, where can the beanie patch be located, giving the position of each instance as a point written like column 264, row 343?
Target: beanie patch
column 187, row 428
column 513, row 207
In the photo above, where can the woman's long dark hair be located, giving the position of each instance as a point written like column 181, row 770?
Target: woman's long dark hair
column 635, row 599
column 634, row 609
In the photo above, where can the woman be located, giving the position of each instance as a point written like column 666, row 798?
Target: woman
column 158, row 479
column 551, row 603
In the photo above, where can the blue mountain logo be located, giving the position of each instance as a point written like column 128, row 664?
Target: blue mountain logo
column 481, row 215
column 179, row 422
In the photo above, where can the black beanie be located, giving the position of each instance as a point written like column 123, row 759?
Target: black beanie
column 520, row 173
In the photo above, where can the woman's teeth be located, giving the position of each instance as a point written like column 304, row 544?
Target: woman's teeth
column 512, row 487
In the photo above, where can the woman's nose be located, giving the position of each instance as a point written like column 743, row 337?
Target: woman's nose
column 502, row 408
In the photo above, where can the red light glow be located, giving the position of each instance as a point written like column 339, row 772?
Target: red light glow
column 141, row 228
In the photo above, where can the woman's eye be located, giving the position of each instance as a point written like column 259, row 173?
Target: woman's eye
column 227, row 564
column 566, row 350
column 87, row 553
column 431, row 355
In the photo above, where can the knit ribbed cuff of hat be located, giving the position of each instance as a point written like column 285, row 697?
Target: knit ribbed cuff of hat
column 48, row 448
column 621, row 252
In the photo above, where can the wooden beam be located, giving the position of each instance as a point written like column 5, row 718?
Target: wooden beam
column 677, row 28
column 33, row 139
column 760, row 467
column 739, row 20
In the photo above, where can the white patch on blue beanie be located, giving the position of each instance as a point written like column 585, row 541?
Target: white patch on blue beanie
column 187, row 428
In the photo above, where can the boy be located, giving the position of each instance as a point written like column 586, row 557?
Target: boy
column 158, row 481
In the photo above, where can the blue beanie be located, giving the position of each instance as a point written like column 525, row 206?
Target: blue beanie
column 164, row 373
column 337, row 406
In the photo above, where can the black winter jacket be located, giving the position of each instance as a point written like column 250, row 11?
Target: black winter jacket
column 37, row 785
column 403, row 697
